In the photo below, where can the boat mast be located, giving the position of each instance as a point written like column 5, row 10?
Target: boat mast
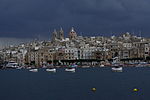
column 52, row 58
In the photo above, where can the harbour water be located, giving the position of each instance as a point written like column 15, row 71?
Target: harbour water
column 42, row 85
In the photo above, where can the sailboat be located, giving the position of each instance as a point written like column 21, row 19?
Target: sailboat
column 71, row 68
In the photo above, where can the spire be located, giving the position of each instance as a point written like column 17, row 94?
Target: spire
column 72, row 29
column 54, row 35
column 61, row 29
column 61, row 34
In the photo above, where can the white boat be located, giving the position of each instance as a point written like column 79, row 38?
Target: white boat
column 116, row 66
column 51, row 70
column 102, row 65
column 117, row 69
column 70, row 69
column 12, row 64
column 33, row 70
column 29, row 67
column 85, row 66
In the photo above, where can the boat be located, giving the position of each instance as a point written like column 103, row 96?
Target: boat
column 116, row 66
column 117, row 69
column 102, row 65
column 51, row 70
column 28, row 67
column 85, row 66
column 70, row 69
column 33, row 70
column 12, row 64
column 50, row 67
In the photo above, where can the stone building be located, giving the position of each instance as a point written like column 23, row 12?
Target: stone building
column 72, row 34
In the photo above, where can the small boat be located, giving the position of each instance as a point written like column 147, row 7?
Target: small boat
column 102, row 65
column 33, row 70
column 85, row 66
column 51, row 70
column 29, row 67
column 70, row 69
column 117, row 69
column 12, row 64
column 116, row 65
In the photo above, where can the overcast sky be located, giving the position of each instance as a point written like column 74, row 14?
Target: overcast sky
column 37, row 18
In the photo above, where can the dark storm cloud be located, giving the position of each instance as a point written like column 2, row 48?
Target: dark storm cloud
column 28, row 18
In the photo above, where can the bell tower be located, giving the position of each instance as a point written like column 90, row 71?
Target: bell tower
column 54, row 35
column 61, row 34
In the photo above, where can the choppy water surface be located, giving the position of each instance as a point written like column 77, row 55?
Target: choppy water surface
column 25, row 85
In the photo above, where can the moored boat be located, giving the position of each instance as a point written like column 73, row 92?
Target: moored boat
column 117, row 69
column 70, row 69
column 11, row 64
column 85, row 66
column 51, row 70
column 33, row 70
column 116, row 66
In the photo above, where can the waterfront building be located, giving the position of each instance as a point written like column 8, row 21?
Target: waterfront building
column 78, row 48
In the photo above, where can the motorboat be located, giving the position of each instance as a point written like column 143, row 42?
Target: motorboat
column 117, row 69
column 70, row 69
column 33, row 70
column 51, row 70
column 116, row 66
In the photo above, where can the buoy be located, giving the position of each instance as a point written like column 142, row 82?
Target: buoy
column 93, row 89
column 135, row 90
